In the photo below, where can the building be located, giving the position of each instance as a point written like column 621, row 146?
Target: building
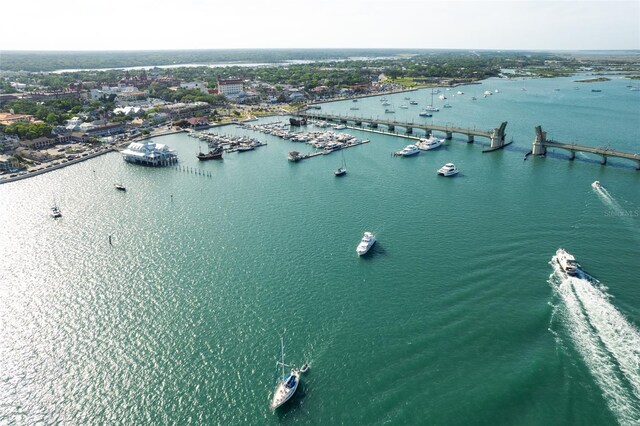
column 231, row 87
column 149, row 154
column 196, row 85
column 38, row 143
column 7, row 118
column 182, row 110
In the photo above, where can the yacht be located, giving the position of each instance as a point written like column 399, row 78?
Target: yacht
column 596, row 185
column 425, row 113
column 294, row 156
column 368, row 239
column 431, row 108
column 430, row 143
column 287, row 385
column 448, row 169
column 567, row 262
column 488, row 93
column 413, row 103
column 120, row 187
column 408, row 151
column 55, row 212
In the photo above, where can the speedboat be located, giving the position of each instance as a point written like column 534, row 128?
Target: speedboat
column 368, row 239
column 120, row 187
column 448, row 169
column 425, row 114
column 408, row 151
column 430, row 143
column 55, row 212
column 567, row 262
column 413, row 103
column 287, row 386
column 304, row 368
column 596, row 185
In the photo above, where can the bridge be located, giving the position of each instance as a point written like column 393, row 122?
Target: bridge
column 496, row 136
column 541, row 143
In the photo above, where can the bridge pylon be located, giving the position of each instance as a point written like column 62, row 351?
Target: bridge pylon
column 498, row 136
column 538, row 143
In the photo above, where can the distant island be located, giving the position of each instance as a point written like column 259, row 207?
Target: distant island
column 593, row 80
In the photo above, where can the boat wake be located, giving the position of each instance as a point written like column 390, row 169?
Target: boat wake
column 627, row 215
column 608, row 199
column 606, row 340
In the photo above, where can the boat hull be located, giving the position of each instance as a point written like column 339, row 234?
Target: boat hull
column 282, row 393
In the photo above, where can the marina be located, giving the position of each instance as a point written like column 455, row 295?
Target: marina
column 187, row 281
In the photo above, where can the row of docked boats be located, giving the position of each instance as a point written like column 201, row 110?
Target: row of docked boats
column 423, row 144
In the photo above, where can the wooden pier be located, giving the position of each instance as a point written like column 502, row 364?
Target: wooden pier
column 540, row 145
column 325, row 152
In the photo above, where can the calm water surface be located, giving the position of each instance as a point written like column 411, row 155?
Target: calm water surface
column 455, row 317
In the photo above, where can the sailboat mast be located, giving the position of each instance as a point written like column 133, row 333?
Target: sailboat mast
column 282, row 351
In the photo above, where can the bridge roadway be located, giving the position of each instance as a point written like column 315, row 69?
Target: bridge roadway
column 605, row 152
column 393, row 123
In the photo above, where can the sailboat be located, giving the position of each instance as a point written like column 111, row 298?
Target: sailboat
column 342, row 170
column 430, row 107
column 287, row 385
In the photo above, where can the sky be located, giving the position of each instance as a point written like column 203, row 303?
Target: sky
column 227, row 24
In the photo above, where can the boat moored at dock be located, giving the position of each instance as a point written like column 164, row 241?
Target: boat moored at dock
column 448, row 169
column 408, row 151
column 429, row 143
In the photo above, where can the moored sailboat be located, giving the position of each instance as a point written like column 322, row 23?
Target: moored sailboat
column 287, row 385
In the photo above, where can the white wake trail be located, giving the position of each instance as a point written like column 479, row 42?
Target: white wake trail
column 608, row 343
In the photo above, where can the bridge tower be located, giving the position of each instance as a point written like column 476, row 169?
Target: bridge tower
column 539, row 147
column 497, row 138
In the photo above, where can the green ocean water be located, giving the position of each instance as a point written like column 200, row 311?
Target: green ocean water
column 455, row 317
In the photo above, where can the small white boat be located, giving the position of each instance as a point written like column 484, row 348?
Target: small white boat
column 413, row 103
column 385, row 103
column 460, row 92
column 408, row 151
column 431, row 108
column 287, row 386
column 304, row 368
column 596, row 185
column 340, row 127
column 567, row 262
column 448, row 169
column 430, row 143
column 368, row 240
column 389, row 111
column 488, row 93
column 404, row 106
column 446, row 106
column 120, row 187
column 55, row 212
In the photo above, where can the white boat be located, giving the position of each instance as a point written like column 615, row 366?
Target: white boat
column 431, row 108
column 408, row 151
column 460, row 92
column 340, row 127
column 488, row 93
column 404, row 106
column 55, row 212
column 425, row 113
column 596, row 185
column 567, row 262
column 120, row 187
column 342, row 170
column 354, row 108
column 288, row 384
column 367, row 241
column 385, row 103
column 389, row 111
column 413, row 103
column 304, row 368
column 294, row 156
column 430, row 143
column 448, row 169
column 446, row 106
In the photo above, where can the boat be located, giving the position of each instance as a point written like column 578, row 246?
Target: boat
column 446, row 106
column 340, row 127
column 413, row 103
column 596, row 185
column 298, row 122
column 425, row 113
column 389, row 111
column 55, row 212
column 448, row 169
column 430, row 143
column 354, row 108
column 305, row 367
column 244, row 148
column 287, row 385
column 120, row 187
column 408, row 151
column 342, row 170
column 430, row 107
column 404, row 106
column 295, row 156
column 596, row 90
column 214, row 154
column 355, row 100
column 386, row 103
column 567, row 262
column 367, row 241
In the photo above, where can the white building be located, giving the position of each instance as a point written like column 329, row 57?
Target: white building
column 149, row 154
column 231, row 87
column 196, row 85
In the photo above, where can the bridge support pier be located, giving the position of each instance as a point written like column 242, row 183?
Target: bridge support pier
column 358, row 123
column 343, row 121
column 638, row 166
column 604, row 160
column 409, row 130
column 427, row 133
column 373, row 125
column 391, row 127
column 448, row 135
column 469, row 138
column 572, row 155
column 538, row 142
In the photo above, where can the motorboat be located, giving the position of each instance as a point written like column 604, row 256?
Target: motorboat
column 408, row 151
column 244, row 148
column 488, row 93
column 413, row 103
column 425, row 114
column 404, row 106
column 354, row 108
column 340, row 127
column 567, row 262
column 596, row 185
column 431, row 108
column 460, row 92
column 119, row 187
column 287, row 385
column 294, row 156
column 446, row 106
column 389, row 111
column 430, row 143
column 55, row 212
column 386, row 103
column 304, row 368
column 367, row 241
column 448, row 169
